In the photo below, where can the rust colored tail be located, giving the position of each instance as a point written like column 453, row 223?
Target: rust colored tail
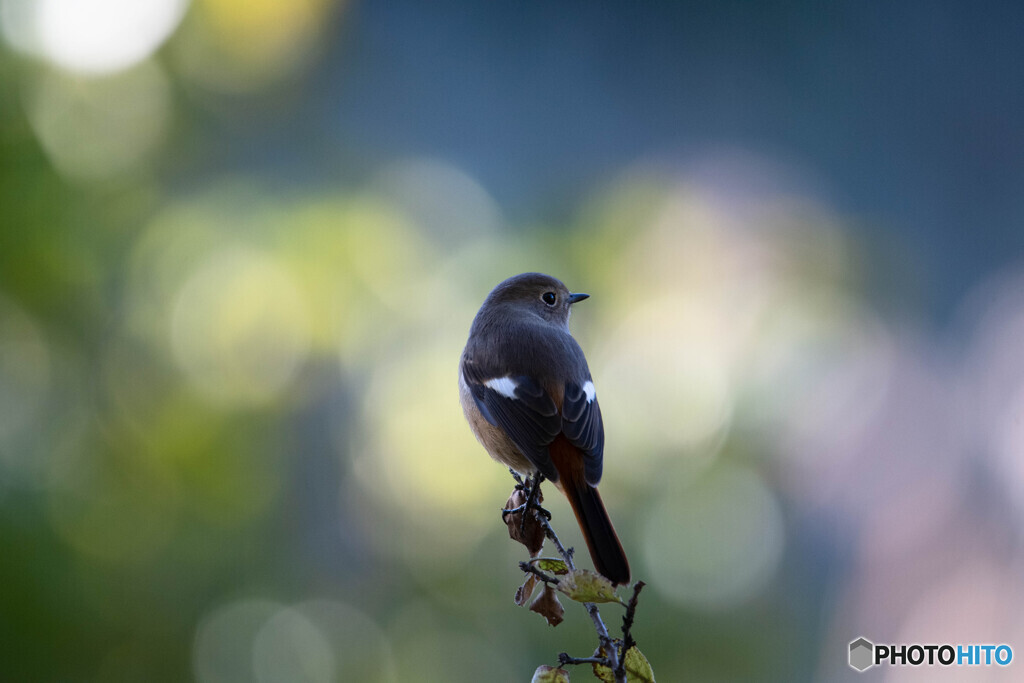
column 603, row 543
column 605, row 548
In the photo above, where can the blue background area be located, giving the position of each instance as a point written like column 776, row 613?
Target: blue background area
column 907, row 117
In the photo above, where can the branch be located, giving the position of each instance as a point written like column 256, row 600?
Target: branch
column 607, row 645
column 595, row 615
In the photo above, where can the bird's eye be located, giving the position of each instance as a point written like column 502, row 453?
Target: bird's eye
column 549, row 298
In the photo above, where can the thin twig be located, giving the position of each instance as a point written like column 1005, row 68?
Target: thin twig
column 566, row 553
column 627, row 635
column 627, row 619
column 564, row 658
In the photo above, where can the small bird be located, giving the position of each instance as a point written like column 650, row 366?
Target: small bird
column 527, row 394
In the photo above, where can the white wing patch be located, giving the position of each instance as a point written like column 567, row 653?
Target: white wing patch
column 503, row 385
column 589, row 390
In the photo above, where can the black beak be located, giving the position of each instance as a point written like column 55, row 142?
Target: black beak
column 573, row 298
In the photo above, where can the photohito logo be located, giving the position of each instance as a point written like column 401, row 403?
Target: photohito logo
column 864, row 654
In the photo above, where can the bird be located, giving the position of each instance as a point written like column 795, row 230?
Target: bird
column 528, row 395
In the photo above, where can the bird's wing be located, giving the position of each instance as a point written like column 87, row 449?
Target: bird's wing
column 522, row 409
column 582, row 425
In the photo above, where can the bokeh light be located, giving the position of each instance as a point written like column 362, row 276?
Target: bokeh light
column 727, row 537
column 91, row 36
column 238, row 46
column 993, row 376
column 239, row 328
column 448, row 204
column 316, row 640
column 223, row 648
column 101, row 128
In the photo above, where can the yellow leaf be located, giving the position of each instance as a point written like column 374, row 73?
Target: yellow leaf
column 551, row 565
column 583, row 585
column 638, row 669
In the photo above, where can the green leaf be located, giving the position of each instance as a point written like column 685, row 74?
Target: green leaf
column 638, row 669
column 550, row 674
column 583, row 585
column 551, row 565
column 603, row 673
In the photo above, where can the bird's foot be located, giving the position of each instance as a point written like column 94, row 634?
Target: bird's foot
column 533, row 499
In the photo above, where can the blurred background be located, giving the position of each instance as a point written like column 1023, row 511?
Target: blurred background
column 241, row 245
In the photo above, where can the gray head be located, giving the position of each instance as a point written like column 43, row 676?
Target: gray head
column 539, row 294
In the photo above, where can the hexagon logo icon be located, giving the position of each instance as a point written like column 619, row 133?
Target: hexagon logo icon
column 862, row 654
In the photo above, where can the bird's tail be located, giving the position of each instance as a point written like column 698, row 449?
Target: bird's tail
column 602, row 541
